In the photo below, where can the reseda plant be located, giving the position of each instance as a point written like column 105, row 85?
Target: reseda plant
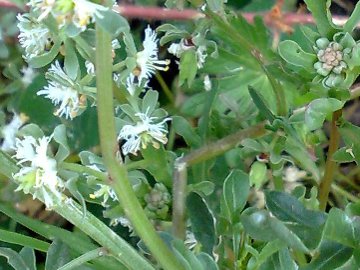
column 234, row 177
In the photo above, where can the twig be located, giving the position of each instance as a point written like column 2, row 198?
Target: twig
column 202, row 154
column 330, row 165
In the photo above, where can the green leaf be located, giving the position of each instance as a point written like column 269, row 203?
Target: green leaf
column 47, row 58
column 112, row 22
column 258, row 174
column 287, row 208
column 71, row 64
column 354, row 19
column 286, row 235
column 202, row 221
column 14, row 259
column 235, row 193
column 149, row 101
column 257, row 225
column 205, row 188
column 158, row 164
column 342, row 228
column 261, row 104
column 184, row 129
column 207, row 262
column 350, row 135
column 188, row 67
column 23, row 240
column 185, row 256
column 7, row 165
column 28, row 256
column 57, row 255
column 321, row 13
column 318, row 109
column 268, row 250
column 292, row 53
column 331, row 256
column 60, row 137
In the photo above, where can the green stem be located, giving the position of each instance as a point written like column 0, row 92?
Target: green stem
column 344, row 193
column 330, row 165
column 97, row 230
column 23, row 240
column 199, row 155
column 84, row 169
column 165, row 88
column 88, row 256
column 118, row 178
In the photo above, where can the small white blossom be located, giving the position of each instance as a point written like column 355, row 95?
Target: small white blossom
column 144, row 132
column 65, row 95
column 44, row 6
column 123, row 222
column 147, row 60
column 9, row 131
column 178, row 49
column 90, row 67
column 28, row 75
column 190, row 240
column 293, row 174
column 207, row 83
column 84, row 13
column 40, row 173
column 34, row 37
column 130, row 84
column 201, row 56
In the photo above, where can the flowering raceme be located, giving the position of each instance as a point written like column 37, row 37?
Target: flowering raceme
column 147, row 60
column 38, row 174
column 64, row 94
column 145, row 131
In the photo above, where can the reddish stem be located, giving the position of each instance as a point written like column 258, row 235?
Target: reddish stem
column 158, row 13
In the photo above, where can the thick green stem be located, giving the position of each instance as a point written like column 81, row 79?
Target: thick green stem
column 118, row 178
column 330, row 165
column 202, row 154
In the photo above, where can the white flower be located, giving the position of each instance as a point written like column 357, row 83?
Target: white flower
column 293, row 174
column 84, row 13
column 44, row 6
column 9, row 132
column 40, row 173
column 28, row 75
column 178, row 49
column 147, row 60
column 190, row 240
column 201, row 56
column 144, row 132
column 90, row 67
column 123, row 221
column 106, row 192
column 34, row 37
column 65, row 95
column 130, row 84
column 207, row 83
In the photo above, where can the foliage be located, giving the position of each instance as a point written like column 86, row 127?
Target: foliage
column 222, row 144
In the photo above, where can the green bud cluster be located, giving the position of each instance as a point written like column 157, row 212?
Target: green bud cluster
column 331, row 61
column 335, row 58
column 157, row 201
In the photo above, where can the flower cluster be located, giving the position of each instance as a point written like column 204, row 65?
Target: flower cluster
column 147, row 60
column 38, row 174
column 8, row 132
column 34, row 37
column 178, row 49
column 146, row 131
column 63, row 93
